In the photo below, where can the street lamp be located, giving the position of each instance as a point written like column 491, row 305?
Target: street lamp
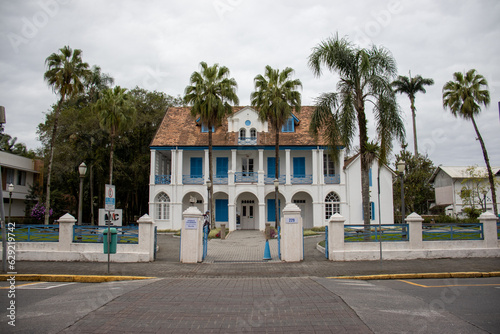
column 276, row 210
column 10, row 188
column 209, row 186
column 82, row 169
column 401, row 169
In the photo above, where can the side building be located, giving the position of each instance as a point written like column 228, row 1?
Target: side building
column 244, row 171
column 21, row 172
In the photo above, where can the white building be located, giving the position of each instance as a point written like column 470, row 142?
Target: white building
column 449, row 181
column 244, row 170
column 21, row 172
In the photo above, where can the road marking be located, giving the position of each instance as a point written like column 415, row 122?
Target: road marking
column 445, row 286
column 21, row 285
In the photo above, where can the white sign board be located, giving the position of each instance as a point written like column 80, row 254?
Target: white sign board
column 291, row 220
column 114, row 217
column 191, row 223
column 109, row 203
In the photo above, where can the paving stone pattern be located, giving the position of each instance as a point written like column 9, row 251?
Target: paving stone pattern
column 207, row 305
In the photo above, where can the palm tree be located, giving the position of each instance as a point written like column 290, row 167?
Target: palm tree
column 464, row 96
column 210, row 92
column 411, row 86
column 65, row 74
column 365, row 75
column 116, row 113
column 275, row 96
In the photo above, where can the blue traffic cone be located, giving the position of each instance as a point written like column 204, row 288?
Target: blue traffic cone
column 267, row 252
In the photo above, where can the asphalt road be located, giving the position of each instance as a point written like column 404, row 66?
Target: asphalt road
column 260, row 304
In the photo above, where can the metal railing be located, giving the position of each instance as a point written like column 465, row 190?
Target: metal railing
column 37, row 233
column 220, row 180
column 163, row 179
column 469, row 231
column 247, row 141
column 332, row 179
column 245, row 177
column 93, row 234
column 193, row 179
column 375, row 233
column 270, row 180
column 306, row 179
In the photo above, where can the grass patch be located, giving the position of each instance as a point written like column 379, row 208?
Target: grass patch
column 308, row 233
column 176, row 232
column 318, row 229
column 322, row 243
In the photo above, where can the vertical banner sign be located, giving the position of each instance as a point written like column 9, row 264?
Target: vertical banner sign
column 109, row 198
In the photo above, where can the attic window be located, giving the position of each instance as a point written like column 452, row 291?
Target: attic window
column 204, row 128
column 289, row 126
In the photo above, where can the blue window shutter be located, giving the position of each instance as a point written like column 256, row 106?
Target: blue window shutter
column 289, row 126
column 271, row 167
column 196, row 167
column 373, row 210
column 221, row 210
column 222, row 168
column 271, row 212
column 370, row 176
column 299, row 167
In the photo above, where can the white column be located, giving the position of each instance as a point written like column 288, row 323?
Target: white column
column 262, row 215
column 414, row 222
column 291, row 234
column 66, row 224
column 146, row 242
column 191, row 236
column 173, row 167
column 153, row 170
column 489, row 221
column 314, row 166
column 261, row 167
column 233, row 168
column 336, row 238
column 207, row 163
column 179, row 168
column 321, row 179
column 287, row 167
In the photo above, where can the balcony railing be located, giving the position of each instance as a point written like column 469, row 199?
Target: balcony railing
column 193, row 179
column 245, row 177
column 163, row 179
column 305, row 179
column 247, row 141
column 270, row 180
column 332, row 179
column 220, row 180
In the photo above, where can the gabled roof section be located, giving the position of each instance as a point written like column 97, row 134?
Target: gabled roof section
column 461, row 172
column 179, row 128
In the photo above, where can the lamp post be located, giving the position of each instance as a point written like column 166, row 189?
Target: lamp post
column 401, row 169
column 209, row 186
column 82, row 169
column 11, row 190
column 276, row 210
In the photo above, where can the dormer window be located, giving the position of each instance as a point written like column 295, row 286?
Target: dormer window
column 253, row 133
column 243, row 133
column 289, row 125
column 204, row 128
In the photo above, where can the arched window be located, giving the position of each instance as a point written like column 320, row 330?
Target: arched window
column 162, row 206
column 243, row 133
column 253, row 133
column 332, row 205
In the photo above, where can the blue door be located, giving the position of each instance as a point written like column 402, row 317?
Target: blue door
column 221, row 210
column 221, row 169
column 271, row 210
column 299, row 167
column 196, row 167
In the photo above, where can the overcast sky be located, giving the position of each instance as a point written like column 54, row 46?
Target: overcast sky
column 156, row 45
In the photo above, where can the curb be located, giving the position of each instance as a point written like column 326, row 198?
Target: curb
column 471, row 274
column 71, row 278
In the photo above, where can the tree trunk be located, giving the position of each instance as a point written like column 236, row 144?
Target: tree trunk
column 91, row 176
column 488, row 167
column 365, row 168
column 210, row 177
column 413, row 115
column 51, row 160
column 111, row 153
column 277, row 176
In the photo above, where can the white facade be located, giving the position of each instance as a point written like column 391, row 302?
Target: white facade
column 21, row 172
column 449, row 181
column 244, row 173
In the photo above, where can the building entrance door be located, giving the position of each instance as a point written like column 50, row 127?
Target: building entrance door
column 247, row 215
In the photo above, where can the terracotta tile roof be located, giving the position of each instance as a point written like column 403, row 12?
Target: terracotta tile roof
column 179, row 128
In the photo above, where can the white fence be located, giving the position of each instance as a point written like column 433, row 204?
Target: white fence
column 415, row 247
column 67, row 250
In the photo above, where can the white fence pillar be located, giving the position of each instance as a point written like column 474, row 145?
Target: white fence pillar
column 146, row 236
column 192, row 236
column 66, row 224
column 292, row 249
column 336, row 237
column 489, row 221
column 414, row 222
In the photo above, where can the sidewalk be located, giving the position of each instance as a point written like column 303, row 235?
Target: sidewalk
column 314, row 265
